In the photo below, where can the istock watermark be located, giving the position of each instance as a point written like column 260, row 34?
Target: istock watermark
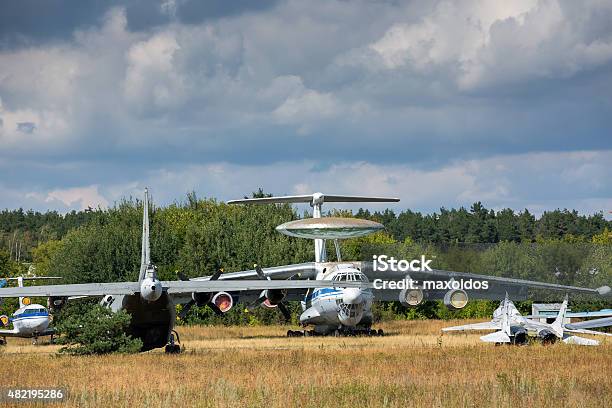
column 383, row 263
column 461, row 284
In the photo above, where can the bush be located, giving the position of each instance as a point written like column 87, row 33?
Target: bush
column 97, row 330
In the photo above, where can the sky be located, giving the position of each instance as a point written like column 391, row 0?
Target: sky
column 439, row 103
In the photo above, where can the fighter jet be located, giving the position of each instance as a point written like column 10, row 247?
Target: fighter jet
column 512, row 328
column 334, row 310
column 151, row 302
column 31, row 320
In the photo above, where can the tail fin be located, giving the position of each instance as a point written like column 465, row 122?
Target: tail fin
column 557, row 325
column 145, row 257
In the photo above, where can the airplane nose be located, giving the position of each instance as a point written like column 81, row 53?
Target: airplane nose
column 352, row 296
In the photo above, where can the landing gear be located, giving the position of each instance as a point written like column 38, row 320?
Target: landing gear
column 34, row 341
column 2, row 341
column 52, row 340
column 173, row 346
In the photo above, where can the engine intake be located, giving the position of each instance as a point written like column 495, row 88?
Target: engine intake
column 547, row 337
column 55, row 303
column 519, row 336
column 411, row 297
column 223, row 301
column 201, row 298
column 456, row 299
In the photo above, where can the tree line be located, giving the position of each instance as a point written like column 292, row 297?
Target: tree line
column 199, row 236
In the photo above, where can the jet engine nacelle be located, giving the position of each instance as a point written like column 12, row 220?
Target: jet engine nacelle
column 56, row 303
column 455, row 299
column 201, row 298
column 547, row 336
column 411, row 297
column 223, row 301
column 274, row 297
column 519, row 336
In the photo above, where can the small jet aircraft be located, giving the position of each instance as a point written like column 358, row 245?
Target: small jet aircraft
column 31, row 320
column 343, row 310
column 512, row 328
column 151, row 302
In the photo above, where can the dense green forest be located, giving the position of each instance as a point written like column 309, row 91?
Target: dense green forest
column 198, row 236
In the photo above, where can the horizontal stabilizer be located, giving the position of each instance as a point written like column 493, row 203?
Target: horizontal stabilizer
column 497, row 337
column 581, row 341
column 475, row 326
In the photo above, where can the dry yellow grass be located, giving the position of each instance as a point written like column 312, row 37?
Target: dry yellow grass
column 259, row 366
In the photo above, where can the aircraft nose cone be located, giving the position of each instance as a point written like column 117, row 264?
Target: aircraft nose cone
column 352, row 296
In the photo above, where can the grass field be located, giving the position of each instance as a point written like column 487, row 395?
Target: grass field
column 239, row 366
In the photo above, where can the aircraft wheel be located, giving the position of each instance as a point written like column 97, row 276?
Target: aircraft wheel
column 381, row 332
column 172, row 349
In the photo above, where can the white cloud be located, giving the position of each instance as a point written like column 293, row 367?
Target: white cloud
column 486, row 43
column 76, row 197
column 193, row 106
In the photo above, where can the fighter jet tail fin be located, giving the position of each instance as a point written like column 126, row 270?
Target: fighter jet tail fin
column 557, row 325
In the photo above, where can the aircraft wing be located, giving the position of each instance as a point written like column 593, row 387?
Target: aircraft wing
column 244, row 285
column 81, row 289
column 598, row 313
column 305, row 270
column 591, row 324
column 492, row 325
column 9, row 333
column 585, row 331
column 172, row 287
column 15, row 333
column 498, row 285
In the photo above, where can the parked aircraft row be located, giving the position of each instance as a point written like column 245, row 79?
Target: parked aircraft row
column 512, row 328
column 336, row 297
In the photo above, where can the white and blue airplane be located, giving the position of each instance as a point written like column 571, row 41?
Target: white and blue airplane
column 347, row 310
column 31, row 320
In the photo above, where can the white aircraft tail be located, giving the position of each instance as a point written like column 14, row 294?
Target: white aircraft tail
column 558, row 324
column 145, row 255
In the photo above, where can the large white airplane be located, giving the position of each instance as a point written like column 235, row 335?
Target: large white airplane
column 337, row 310
column 512, row 328
column 151, row 302
column 31, row 320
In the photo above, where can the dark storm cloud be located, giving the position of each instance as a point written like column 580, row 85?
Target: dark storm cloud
column 35, row 21
column 97, row 99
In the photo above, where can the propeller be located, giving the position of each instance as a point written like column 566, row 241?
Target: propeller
column 263, row 297
column 192, row 302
